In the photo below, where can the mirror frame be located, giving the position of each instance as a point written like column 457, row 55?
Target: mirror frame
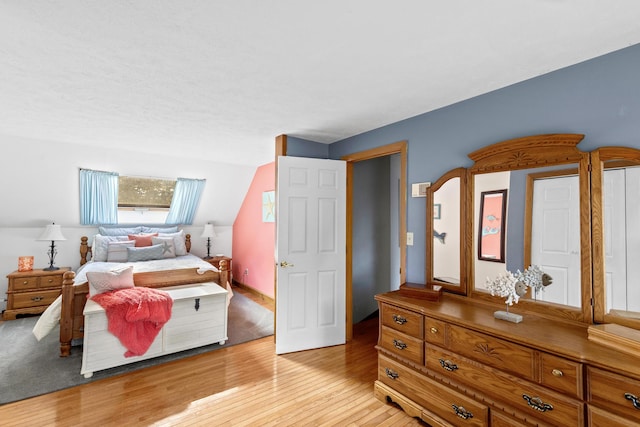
column 529, row 152
column 598, row 158
column 462, row 287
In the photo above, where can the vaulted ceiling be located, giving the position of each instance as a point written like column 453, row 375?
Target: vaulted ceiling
column 221, row 79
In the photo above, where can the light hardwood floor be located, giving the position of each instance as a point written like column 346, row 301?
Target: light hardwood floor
column 242, row 385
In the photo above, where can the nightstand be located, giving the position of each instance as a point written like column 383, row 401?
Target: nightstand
column 31, row 292
column 215, row 261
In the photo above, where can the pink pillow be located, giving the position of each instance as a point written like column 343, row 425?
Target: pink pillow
column 142, row 239
column 105, row 281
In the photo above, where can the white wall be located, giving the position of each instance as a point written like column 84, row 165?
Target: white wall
column 40, row 185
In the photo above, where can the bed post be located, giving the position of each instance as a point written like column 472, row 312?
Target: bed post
column 84, row 249
column 223, row 268
column 66, row 313
column 187, row 242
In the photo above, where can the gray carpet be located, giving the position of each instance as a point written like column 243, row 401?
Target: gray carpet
column 29, row 368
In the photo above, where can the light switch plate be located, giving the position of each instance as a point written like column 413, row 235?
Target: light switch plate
column 409, row 239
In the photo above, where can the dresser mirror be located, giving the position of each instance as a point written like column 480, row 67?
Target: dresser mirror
column 615, row 182
column 527, row 168
column 446, row 257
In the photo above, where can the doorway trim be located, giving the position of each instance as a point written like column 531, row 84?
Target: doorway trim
column 399, row 147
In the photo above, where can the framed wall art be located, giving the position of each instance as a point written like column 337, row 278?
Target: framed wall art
column 491, row 235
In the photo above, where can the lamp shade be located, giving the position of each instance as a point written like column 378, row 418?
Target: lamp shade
column 208, row 231
column 52, row 232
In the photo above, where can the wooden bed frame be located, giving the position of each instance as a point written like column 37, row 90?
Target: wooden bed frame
column 74, row 296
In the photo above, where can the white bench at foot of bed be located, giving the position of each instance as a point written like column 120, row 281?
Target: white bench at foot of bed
column 198, row 318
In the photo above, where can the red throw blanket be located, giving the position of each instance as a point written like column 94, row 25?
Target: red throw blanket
column 135, row 316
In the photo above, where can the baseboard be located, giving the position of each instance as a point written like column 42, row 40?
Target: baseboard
column 254, row 291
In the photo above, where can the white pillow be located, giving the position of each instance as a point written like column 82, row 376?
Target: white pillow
column 168, row 246
column 117, row 251
column 178, row 241
column 105, row 281
column 100, row 246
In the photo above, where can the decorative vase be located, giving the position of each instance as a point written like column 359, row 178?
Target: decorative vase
column 509, row 317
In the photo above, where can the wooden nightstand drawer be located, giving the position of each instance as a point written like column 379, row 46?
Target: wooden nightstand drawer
column 23, row 283
column 401, row 320
column 33, row 299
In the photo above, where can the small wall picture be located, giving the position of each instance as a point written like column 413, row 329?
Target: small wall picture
column 491, row 235
column 269, row 206
column 437, row 208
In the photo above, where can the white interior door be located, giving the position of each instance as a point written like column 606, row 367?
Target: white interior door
column 310, row 254
column 555, row 237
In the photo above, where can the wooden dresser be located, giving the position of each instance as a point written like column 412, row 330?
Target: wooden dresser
column 31, row 292
column 452, row 363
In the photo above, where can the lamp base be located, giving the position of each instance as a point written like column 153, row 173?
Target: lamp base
column 51, row 268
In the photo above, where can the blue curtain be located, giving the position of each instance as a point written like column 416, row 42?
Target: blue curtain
column 98, row 197
column 185, row 201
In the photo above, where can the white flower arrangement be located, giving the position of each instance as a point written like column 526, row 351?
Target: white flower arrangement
column 513, row 286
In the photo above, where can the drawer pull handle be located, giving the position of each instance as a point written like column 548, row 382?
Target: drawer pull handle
column 461, row 412
column 399, row 319
column 537, row 403
column 50, row 280
column 391, row 374
column 197, row 305
column 399, row 344
column 36, row 299
column 448, row 365
column 633, row 399
column 26, row 282
column 434, row 330
column 557, row 373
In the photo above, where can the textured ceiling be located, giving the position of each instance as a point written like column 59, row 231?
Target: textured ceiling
column 221, row 79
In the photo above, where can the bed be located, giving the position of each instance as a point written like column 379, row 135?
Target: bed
column 160, row 273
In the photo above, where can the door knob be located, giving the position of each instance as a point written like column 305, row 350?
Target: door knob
column 285, row 264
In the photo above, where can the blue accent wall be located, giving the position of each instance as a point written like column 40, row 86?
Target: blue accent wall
column 599, row 98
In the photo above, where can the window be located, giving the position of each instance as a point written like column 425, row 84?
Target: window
column 144, row 200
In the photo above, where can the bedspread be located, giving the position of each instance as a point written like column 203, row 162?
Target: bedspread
column 135, row 316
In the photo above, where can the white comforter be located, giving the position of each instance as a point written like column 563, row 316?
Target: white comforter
column 51, row 316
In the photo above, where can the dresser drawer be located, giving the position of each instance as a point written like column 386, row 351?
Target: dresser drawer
column 33, row 299
column 491, row 351
column 434, row 331
column 446, row 403
column 614, row 392
column 561, row 374
column 405, row 321
column 600, row 418
column 402, row 344
column 533, row 400
column 23, row 283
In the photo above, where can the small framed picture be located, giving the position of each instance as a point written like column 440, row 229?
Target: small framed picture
column 437, row 208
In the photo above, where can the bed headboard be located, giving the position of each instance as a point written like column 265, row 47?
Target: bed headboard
column 86, row 254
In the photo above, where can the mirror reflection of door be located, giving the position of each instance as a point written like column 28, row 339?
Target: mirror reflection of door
column 555, row 237
column 446, row 232
column 622, row 240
